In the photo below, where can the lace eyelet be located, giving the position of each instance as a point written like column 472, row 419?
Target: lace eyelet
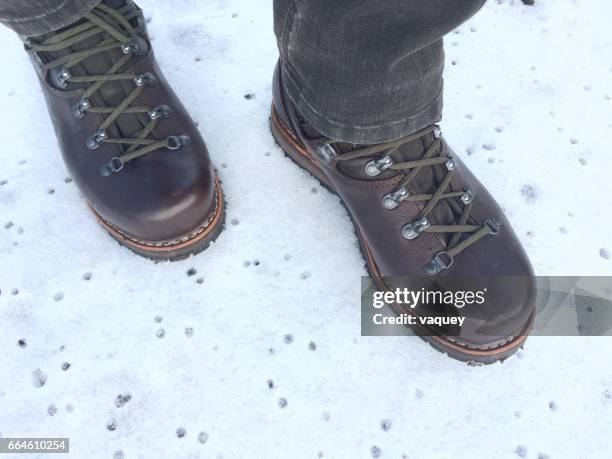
column 112, row 167
column 28, row 43
column 377, row 166
column 93, row 143
column 61, row 76
column 145, row 79
column 392, row 200
column 494, row 225
column 441, row 261
column 140, row 21
column 160, row 112
column 81, row 108
column 413, row 230
column 174, row 142
column 326, row 152
column 468, row 196
column 138, row 46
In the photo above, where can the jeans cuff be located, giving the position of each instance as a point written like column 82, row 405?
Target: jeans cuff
column 66, row 13
column 328, row 125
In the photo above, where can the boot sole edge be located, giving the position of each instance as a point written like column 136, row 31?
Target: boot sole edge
column 179, row 251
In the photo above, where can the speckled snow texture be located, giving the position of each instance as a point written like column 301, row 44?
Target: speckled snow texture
column 253, row 348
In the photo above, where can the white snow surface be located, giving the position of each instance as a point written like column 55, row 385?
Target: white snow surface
column 528, row 107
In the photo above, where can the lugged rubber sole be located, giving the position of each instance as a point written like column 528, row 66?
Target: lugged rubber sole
column 181, row 250
column 292, row 149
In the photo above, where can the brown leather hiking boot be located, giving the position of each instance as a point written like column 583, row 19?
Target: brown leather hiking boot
column 126, row 139
column 420, row 214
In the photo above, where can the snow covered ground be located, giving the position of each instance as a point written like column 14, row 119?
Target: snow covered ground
column 256, row 342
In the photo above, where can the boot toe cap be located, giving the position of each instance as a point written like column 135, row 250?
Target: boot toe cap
column 500, row 269
column 160, row 203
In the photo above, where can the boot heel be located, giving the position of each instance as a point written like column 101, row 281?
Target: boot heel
column 296, row 152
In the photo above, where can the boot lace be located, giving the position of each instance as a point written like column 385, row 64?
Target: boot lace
column 433, row 156
column 118, row 34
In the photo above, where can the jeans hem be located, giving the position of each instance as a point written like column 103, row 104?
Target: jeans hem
column 327, row 125
column 52, row 21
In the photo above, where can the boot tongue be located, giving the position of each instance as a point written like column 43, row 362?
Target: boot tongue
column 112, row 93
column 428, row 178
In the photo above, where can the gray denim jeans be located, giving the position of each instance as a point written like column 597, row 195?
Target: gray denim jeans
column 360, row 71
